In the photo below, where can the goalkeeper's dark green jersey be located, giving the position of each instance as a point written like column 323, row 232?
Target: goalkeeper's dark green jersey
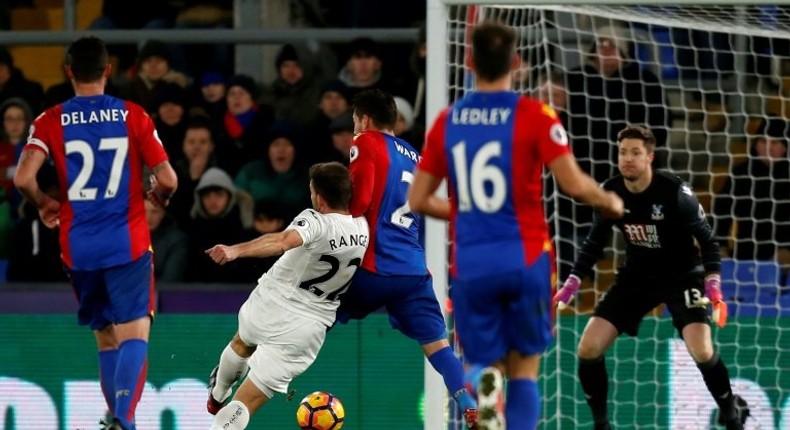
column 659, row 226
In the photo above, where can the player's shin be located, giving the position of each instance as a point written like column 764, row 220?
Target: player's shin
column 522, row 405
column 130, row 376
column 595, row 384
column 234, row 416
column 232, row 368
column 448, row 365
column 108, row 361
column 717, row 379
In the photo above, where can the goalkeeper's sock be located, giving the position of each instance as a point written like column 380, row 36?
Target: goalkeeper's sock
column 595, row 384
column 130, row 374
column 522, row 406
column 108, row 359
column 717, row 378
column 448, row 365
column 232, row 368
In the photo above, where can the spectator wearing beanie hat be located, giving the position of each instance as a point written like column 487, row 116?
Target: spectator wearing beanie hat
column 245, row 123
column 210, row 96
column 170, row 107
column 333, row 101
column 296, row 82
column 153, row 70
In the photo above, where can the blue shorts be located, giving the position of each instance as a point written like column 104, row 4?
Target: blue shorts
column 503, row 312
column 114, row 295
column 409, row 301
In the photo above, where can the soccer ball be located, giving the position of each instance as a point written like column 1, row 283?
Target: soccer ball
column 320, row 411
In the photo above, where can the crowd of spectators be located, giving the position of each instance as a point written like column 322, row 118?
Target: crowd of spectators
column 241, row 147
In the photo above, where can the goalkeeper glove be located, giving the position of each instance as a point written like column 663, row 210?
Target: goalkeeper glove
column 716, row 299
column 565, row 295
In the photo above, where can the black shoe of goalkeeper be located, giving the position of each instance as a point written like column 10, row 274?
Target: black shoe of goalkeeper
column 741, row 414
column 602, row 426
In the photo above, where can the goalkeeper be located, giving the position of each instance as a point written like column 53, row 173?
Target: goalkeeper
column 663, row 265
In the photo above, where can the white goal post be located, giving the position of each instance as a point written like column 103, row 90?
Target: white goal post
column 722, row 67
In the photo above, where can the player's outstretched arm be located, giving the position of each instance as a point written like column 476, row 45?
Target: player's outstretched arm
column 29, row 164
column 579, row 185
column 265, row 246
column 422, row 199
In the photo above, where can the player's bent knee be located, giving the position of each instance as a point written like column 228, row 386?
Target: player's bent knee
column 523, row 366
column 589, row 350
column 240, row 347
column 702, row 355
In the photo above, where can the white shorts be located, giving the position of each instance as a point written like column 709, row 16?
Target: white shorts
column 287, row 343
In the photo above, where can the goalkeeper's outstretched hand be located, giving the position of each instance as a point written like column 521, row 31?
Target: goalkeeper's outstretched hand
column 714, row 297
column 568, row 291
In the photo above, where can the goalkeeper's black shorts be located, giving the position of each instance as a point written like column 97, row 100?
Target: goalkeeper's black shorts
column 631, row 297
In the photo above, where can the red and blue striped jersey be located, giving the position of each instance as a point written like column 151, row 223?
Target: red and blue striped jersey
column 492, row 147
column 98, row 145
column 382, row 168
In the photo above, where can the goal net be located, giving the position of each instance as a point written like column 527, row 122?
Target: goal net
column 713, row 83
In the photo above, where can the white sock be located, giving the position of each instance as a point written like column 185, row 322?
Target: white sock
column 234, row 416
column 231, row 369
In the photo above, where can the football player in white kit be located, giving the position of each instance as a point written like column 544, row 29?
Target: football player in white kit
column 283, row 323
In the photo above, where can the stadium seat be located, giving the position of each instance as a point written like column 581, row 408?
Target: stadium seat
column 751, row 287
column 3, row 269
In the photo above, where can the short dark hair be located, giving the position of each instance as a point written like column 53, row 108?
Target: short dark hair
column 378, row 105
column 493, row 49
column 201, row 121
column 268, row 208
column 332, row 182
column 88, row 59
column 638, row 132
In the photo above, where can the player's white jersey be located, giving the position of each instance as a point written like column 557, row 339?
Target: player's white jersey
column 309, row 279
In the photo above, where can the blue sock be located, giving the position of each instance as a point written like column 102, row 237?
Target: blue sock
column 107, row 362
column 130, row 379
column 522, row 405
column 448, row 365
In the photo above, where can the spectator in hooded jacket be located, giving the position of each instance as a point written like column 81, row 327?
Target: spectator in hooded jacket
column 221, row 213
